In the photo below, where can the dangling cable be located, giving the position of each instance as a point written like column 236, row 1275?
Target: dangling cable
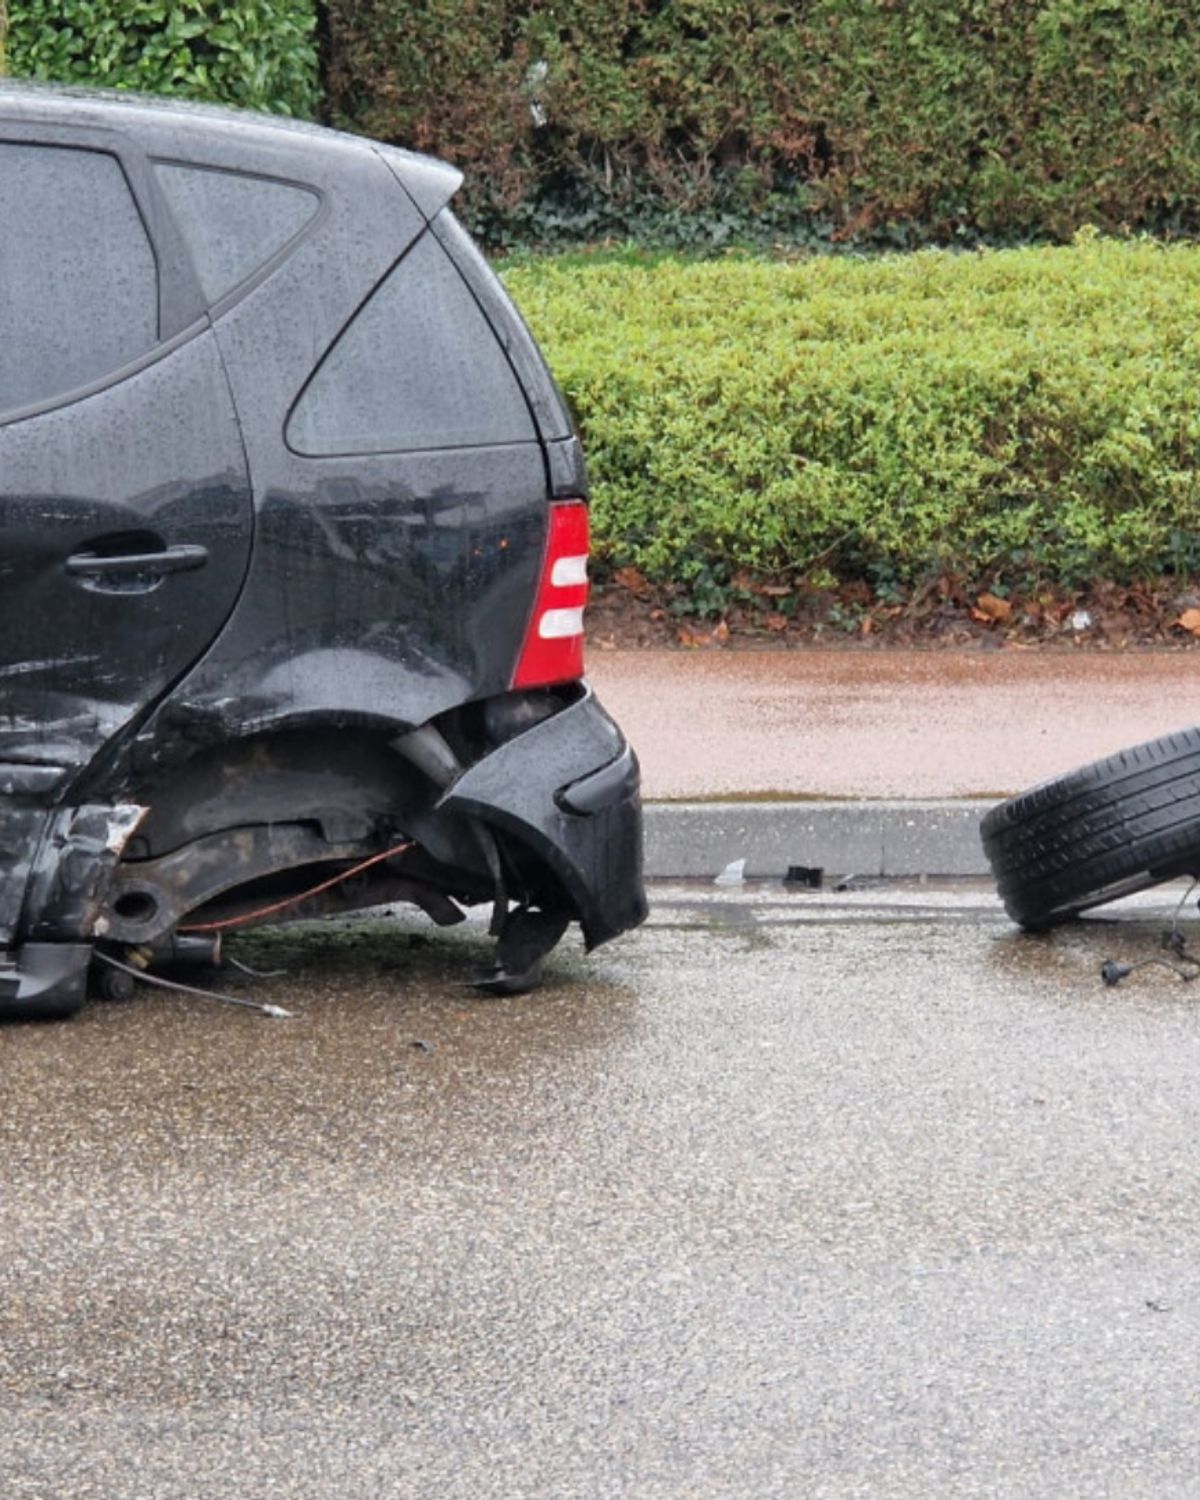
column 275, row 1011
column 236, row 963
column 1172, row 940
column 269, row 911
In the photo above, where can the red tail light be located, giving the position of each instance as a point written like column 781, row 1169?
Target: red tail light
column 553, row 649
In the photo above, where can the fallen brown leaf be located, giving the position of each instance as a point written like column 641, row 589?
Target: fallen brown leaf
column 720, row 632
column 991, row 607
column 775, row 622
column 1190, row 621
column 635, row 581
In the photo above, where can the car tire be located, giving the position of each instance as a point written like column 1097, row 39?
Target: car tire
column 1109, row 828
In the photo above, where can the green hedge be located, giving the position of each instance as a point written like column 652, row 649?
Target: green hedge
column 857, row 120
column 261, row 54
column 862, row 119
column 1008, row 416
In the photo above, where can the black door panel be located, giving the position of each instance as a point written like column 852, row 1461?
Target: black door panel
column 89, row 635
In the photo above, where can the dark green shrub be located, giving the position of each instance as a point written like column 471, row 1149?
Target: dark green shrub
column 257, row 53
column 1008, row 118
column 1021, row 415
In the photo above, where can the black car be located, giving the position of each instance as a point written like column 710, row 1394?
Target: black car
column 293, row 551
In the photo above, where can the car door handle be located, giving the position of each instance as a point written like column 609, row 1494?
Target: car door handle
column 181, row 559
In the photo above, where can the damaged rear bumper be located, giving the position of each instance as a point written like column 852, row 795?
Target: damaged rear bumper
column 568, row 791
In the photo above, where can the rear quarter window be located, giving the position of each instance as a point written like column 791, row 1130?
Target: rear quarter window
column 417, row 367
column 233, row 223
column 78, row 281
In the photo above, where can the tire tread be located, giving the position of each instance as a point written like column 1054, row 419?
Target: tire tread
column 1131, row 817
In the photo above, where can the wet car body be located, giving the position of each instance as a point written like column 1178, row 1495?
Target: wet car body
column 292, row 519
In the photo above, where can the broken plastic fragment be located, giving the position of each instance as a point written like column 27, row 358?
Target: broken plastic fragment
column 733, row 873
column 122, row 821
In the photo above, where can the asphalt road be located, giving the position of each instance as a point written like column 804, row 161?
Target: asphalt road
column 787, row 1195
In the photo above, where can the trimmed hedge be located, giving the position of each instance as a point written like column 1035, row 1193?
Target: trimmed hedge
column 1010, row 416
column 261, row 54
column 867, row 120
column 893, row 121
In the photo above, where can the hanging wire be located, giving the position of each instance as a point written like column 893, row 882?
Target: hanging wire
column 275, row 1011
column 236, row 963
column 228, row 923
column 1173, row 940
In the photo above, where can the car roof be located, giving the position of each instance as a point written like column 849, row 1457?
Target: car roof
column 176, row 128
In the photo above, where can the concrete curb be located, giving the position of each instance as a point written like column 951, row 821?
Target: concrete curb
column 698, row 839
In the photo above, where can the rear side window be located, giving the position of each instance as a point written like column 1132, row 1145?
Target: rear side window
column 417, row 367
column 233, row 223
column 78, row 283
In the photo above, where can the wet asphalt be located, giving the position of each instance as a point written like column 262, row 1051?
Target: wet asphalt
column 831, row 1195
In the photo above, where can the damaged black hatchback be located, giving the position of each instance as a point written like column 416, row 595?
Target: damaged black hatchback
column 293, row 553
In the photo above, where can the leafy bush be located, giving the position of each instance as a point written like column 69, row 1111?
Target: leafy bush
column 257, row 53
column 1004, row 415
column 1005, row 118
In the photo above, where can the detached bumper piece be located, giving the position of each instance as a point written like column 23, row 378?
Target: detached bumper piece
column 568, row 790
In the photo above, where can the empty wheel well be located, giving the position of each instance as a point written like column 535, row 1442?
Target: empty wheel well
column 347, row 784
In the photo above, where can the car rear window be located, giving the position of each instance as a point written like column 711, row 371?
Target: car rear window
column 233, row 222
column 78, row 283
column 417, row 367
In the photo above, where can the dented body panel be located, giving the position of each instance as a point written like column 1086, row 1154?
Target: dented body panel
column 219, row 623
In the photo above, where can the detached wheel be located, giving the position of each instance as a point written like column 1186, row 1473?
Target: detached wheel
column 1109, row 828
